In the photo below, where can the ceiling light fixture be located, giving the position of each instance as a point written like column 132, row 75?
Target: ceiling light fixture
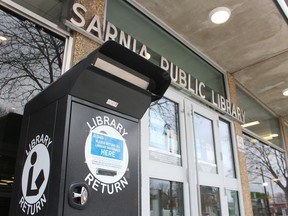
column 274, row 135
column 270, row 137
column 220, row 15
column 250, row 124
column 285, row 92
column 5, row 184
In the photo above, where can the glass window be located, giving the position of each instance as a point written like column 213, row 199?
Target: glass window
column 227, row 150
column 166, row 198
column 233, row 203
column 164, row 132
column 52, row 10
column 31, row 59
column 205, row 147
column 268, row 177
column 263, row 122
column 139, row 26
column 210, row 201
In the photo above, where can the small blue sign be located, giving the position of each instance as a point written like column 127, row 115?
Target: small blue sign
column 106, row 146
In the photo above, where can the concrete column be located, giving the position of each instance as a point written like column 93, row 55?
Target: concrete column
column 241, row 155
column 83, row 45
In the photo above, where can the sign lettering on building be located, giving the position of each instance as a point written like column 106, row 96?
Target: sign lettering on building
column 179, row 77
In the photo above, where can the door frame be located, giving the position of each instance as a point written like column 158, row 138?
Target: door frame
column 188, row 172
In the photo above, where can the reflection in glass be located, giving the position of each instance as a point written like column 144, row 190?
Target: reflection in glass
column 233, row 203
column 54, row 11
column 210, row 201
column 268, row 177
column 269, row 127
column 166, row 198
column 31, row 59
column 204, row 139
column 164, row 132
column 227, row 151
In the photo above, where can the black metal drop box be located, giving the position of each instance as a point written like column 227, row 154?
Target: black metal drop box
column 79, row 148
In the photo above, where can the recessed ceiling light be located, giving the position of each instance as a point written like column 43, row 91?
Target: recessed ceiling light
column 220, row 15
column 285, row 92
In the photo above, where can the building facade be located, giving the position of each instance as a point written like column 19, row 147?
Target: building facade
column 197, row 156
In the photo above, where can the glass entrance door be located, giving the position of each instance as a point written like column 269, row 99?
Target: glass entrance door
column 188, row 162
column 217, row 182
column 165, row 187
